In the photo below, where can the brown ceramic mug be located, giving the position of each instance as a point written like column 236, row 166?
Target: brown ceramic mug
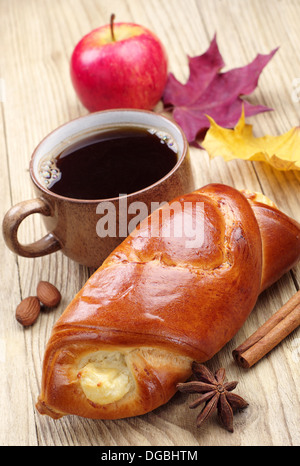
column 72, row 223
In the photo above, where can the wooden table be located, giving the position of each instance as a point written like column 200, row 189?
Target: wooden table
column 37, row 39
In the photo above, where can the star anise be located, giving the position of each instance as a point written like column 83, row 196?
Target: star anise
column 215, row 393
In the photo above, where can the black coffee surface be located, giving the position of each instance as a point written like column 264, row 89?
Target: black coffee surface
column 116, row 161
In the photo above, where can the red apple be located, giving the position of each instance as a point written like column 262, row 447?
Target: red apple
column 121, row 65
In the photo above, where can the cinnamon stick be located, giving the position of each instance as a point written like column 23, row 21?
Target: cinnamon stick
column 272, row 332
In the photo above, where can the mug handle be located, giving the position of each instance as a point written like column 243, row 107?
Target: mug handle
column 12, row 221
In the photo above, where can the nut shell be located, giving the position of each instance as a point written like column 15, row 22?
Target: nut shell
column 48, row 294
column 28, row 311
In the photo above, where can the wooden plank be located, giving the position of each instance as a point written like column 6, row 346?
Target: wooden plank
column 35, row 66
column 243, row 27
column 36, row 102
column 15, row 400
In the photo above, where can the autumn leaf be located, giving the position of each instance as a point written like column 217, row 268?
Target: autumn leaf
column 282, row 152
column 209, row 91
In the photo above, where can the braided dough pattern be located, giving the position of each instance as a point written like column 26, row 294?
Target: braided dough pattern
column 155, row 305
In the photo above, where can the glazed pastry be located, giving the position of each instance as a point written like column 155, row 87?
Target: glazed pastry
column 162, row 300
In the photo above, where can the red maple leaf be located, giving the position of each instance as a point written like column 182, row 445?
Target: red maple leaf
column 209, row 91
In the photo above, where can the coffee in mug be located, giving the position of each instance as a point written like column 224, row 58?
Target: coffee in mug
column 76, row 181
column 108, row 163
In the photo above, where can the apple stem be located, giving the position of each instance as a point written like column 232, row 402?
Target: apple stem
column 112, row 17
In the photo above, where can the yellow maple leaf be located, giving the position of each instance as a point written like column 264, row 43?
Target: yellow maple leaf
column 282, row 152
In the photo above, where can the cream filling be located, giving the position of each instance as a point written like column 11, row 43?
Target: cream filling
column 105, row 377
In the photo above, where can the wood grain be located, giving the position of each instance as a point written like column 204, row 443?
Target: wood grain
column 37, row 39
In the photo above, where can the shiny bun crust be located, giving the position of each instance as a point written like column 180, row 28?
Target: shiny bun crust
column 159, row 302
